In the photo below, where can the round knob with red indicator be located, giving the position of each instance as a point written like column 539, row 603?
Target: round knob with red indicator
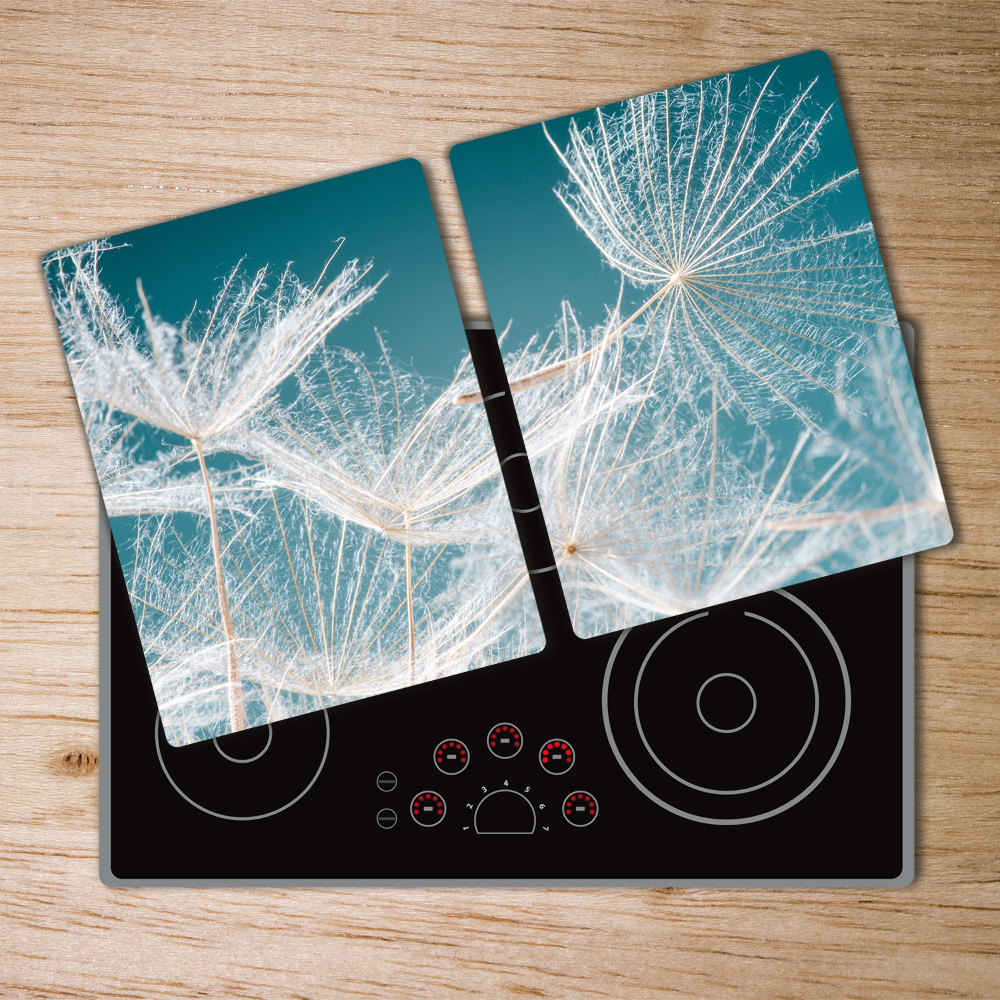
column 451, row 756
column 504, row 740
column 556, row 756
column 579, row 808
column 427, row 808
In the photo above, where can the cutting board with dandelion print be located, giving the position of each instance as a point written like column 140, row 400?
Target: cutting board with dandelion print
column 303, row 512
column 691, row 279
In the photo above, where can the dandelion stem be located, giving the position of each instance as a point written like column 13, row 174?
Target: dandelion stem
column 235, row 681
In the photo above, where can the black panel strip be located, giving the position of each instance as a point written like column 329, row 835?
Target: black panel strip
column 520, row 484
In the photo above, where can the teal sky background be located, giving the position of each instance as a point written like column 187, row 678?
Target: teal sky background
column 386, row 216
column 529, row 251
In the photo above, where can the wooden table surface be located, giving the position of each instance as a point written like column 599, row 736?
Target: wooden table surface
column 114, row 115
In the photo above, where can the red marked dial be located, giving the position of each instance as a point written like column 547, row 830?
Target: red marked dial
column 504, row 740
column 451, row 756
column 428, row 808
column 556, row 756
column 579, row 808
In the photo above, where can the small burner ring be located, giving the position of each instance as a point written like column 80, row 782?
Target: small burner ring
column 157, row 729
column 701, row 715
column 247, row 760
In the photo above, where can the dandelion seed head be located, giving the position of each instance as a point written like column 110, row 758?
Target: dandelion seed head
column 704, row 196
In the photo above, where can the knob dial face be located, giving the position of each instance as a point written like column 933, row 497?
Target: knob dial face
column 556, row 756
column 504, row 740
column 579, row 808
column 451, row 756
column 386, row 818
column 427, row 808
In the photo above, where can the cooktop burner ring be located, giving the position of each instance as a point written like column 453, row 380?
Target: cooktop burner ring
column 749, row 788
column 762, row 814
column 701, row 713
column 247, row 760
column 158, row 729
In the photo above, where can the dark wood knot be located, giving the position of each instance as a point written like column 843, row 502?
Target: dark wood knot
column 77, row 762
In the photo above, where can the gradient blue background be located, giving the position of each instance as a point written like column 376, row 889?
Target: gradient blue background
column 386, row 216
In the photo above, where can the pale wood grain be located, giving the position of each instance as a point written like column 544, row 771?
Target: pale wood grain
column 118, row 115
